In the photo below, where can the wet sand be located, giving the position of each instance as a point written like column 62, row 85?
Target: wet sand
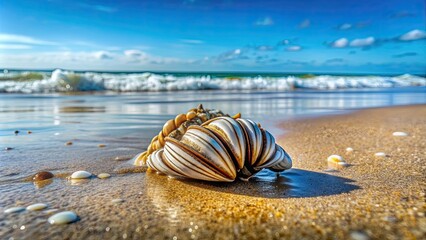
column 372, row 198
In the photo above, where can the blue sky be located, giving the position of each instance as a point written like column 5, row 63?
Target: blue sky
column 361, row 36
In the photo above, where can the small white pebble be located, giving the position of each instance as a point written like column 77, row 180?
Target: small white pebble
column 117, row 200
column 81, row 175
column 14, row 210
column 400, row 134
column 349, row 149
column 37, row 207
column 380, row 154
column 104, row 175
column 359, row 235
column 63, row 218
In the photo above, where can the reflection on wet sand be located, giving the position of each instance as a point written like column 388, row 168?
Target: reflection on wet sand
column 81, row 109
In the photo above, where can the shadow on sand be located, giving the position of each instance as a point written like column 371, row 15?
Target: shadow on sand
column 294, row 183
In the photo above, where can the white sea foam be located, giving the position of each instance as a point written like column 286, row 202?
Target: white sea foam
column 62, row 81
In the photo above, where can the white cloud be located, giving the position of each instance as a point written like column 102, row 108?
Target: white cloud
column 267, row 21
column 362, row 42
column 345, row 26
column 305, row 24
column 340, row 43
column 103, row 55
column 14, row 46
column 294, row 48
column 191, row 41
column 413, row 35
column 13, row 38
column 93, row 60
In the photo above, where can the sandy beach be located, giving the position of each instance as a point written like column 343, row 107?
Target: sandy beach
column 372, row 198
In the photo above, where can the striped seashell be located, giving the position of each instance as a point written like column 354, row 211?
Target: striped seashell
column 220, row 149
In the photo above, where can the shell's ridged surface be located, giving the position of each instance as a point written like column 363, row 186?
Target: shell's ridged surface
column 209, row 145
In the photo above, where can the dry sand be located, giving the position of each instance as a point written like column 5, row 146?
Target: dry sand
column 372, row 198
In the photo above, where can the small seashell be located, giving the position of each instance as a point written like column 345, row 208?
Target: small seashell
column 349, row 149
column 14, row 210
column 81, row 175
column 63, row 218
column 400, row 134
column 380, row 154
column 68, row 143
column 101, row 145
column 103, row 175
column 335, row 158
column 336, row 162
column 37, row 207
column 43, row 175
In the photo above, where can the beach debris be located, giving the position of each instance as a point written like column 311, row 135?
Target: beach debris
column 101, row 145
column 8, row 148
column 14, row 210
column 216, row 146
column 359, row 235
column 16, row 132
column 37, row 207
column 68, row 143
column 43, row 175
column 63, row 218
column 349, row 149
column 29, row 132
column 400, row 134
column 81, row 175
column 122, row 158
column 336, row 162
column 104, row 175
column 117, row 200
column 380, row 154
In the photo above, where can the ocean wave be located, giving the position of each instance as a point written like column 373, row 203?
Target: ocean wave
column 66, row 81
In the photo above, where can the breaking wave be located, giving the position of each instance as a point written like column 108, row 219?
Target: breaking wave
column 65, row 81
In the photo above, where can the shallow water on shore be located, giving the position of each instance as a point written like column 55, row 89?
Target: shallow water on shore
column 126, row 122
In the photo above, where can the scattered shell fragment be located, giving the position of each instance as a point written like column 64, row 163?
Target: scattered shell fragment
column 63, row 218
column 14, row 210
column 43, row 175
column 29, row 132
column 37, row 207
column 50, row 211
column 122, row 158
column 349, row 149
column 380, row 154
column 117, row 200
column 104, row 175
column 68, row 143
column 81, row 175
column 101, row 145
column 336, row 162
column 400, row 134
